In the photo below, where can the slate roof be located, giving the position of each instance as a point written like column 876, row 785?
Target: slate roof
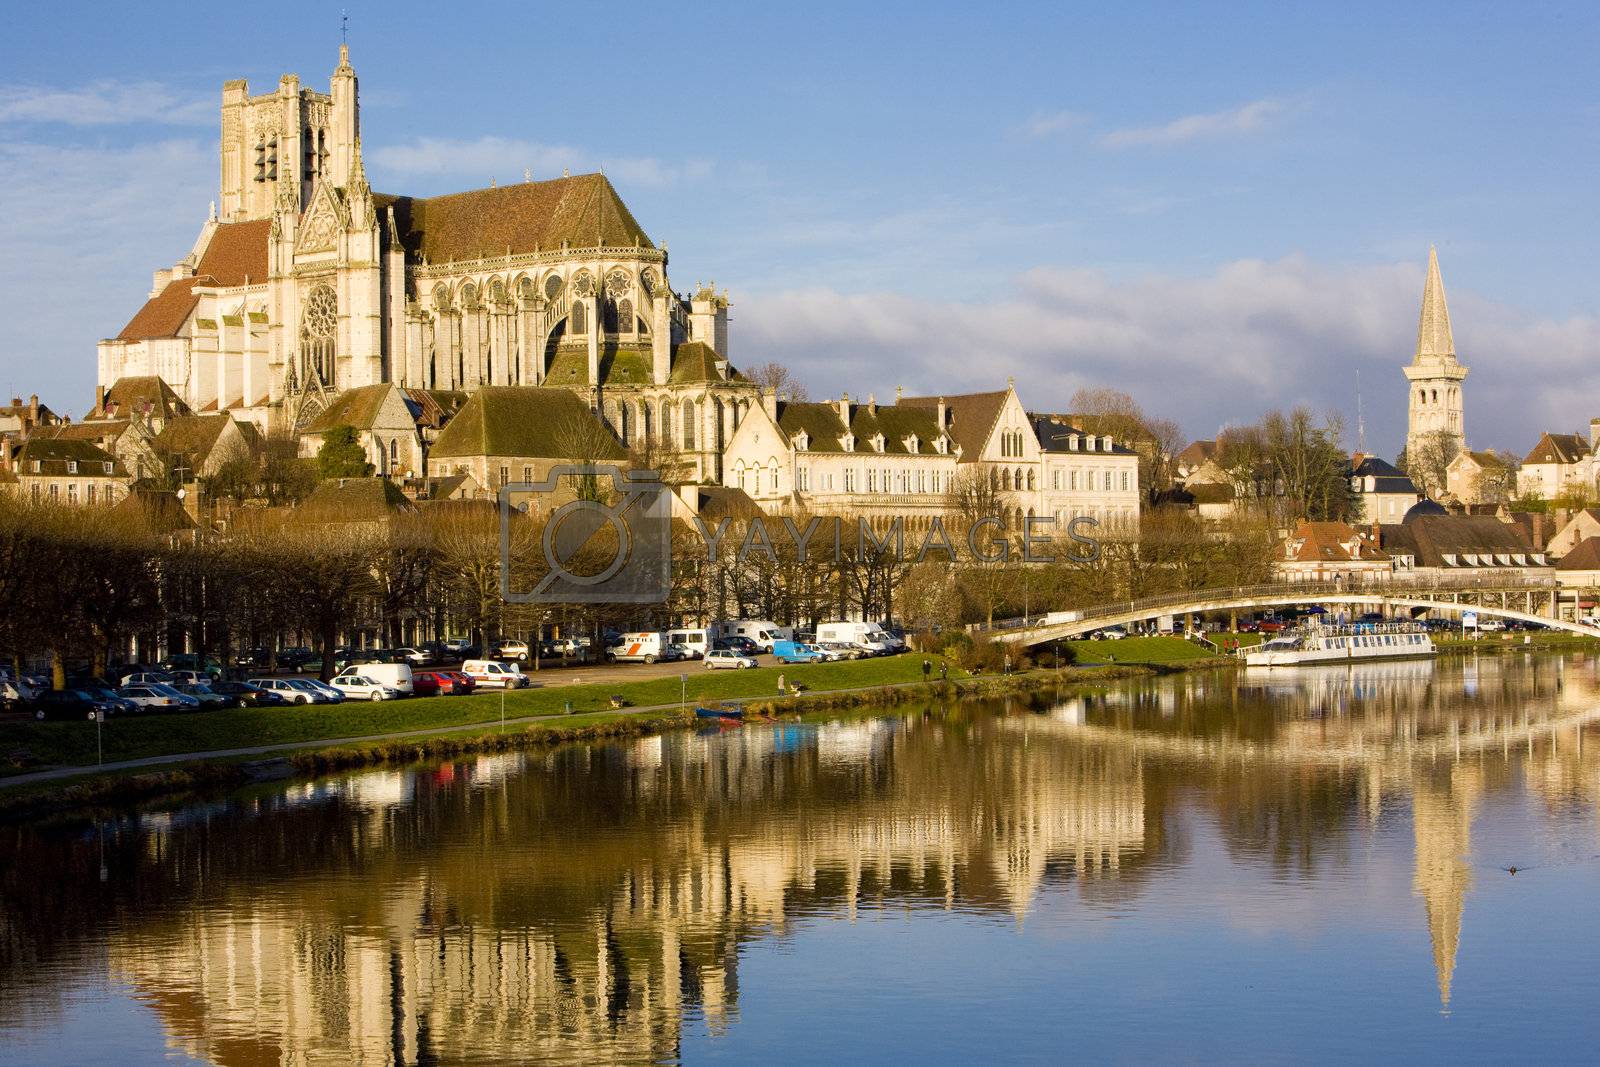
column 130, row 396
column 191, row 435
column 1585, row 556
column 1390, row 479
column 54, row 454
column 971, row 416
column 356, row 407
column 519, row 420
column 720, row 501
column 521, row 217
column 1433, row 537
column 434, row 407
column 19, row 409
column 823, row 427
column 626, row 365
column 1558, row 448
column 91, row 431
column 1487, row 459
column 1054, row 434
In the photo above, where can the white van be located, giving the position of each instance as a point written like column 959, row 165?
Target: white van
column 696, row 641
column 763, row 632
column 643, row 647
column 867, row 636
column 492, row 674
column 393, row 675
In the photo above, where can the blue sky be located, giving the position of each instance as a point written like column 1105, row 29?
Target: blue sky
column 1220, row 210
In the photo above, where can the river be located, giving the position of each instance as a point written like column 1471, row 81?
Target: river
column 1298, row 865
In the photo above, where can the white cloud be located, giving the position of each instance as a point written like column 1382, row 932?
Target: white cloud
column 1249, row 118
column 105, row 103
column 1048, row 124
column 1223, row 348
column 83, row 229
column 505, row 159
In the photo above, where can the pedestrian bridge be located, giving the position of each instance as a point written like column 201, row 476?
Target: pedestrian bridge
column 1534, row 602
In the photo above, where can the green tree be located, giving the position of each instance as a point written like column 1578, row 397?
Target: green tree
column 341, row 454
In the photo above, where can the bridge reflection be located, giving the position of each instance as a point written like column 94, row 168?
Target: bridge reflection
column 592, row 902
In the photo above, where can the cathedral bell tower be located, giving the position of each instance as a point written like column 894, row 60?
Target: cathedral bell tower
column 1434, row 374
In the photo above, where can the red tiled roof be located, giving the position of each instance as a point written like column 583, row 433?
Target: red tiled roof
column 519, row 218
column 1562, row 448
column 164, row 314
column 237, row 252
column 1585, row 556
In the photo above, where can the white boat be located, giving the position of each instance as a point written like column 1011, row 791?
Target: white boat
column 1342, row 644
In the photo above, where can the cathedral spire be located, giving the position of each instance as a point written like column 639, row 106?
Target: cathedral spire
column 1434, row 342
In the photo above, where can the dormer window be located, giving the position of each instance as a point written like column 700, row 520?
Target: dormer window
column 37, row 466
column 877, row 442
column 108, row 466
column 1072, row 442
column 72, row 466
column 1449, row 559
column 941, row 444
column 913, row 445
column 1538, row 558
column 848, row 442
column 802, row 441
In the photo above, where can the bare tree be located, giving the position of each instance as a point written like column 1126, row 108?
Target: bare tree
column 777, row 379
column 1428, row 461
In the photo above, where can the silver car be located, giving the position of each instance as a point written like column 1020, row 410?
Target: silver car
column 727, row 659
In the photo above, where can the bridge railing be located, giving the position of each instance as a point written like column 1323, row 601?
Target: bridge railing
column 1420, row 588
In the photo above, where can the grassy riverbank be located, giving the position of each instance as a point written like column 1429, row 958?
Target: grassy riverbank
column 1157, row 651
column 138, row 737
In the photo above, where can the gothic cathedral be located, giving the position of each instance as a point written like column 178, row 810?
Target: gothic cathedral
column 305, row 282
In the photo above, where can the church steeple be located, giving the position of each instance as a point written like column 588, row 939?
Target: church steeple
column 1433, row 378
column 345, row 118
column 1434, row 343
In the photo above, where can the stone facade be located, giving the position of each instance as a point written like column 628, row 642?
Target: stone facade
column 308, row 283
column 1434, row 374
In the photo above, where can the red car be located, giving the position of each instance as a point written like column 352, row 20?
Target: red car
column 441, row 683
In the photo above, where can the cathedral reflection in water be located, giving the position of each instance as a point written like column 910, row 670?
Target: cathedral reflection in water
column 593, row 901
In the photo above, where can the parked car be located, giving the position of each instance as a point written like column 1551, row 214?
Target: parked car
column 440, row 683
column 1110, row 633
column 188, row 661
column 253, row 659
column 396, row 676
column 676, row 651
column 153, row 695
column 203, row 693
column 1491, row 626
column 148, row 678
column 728, row 659
column 360, row 687
column 182, row 678
column 289, row 694
column 695, row 641
column 319, row 691
column 417, row 657
column 295, row 657
column 67, row 704
column 517, row 650
column 761, row 631
column 796, row 652
column 114, row 701
column 457, row 645
column 245, row 695
column 867, row 636
column 492, row 674
column 834, row 650
column 742, row 645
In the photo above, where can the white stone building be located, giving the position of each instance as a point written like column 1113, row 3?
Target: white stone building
column 305, row 283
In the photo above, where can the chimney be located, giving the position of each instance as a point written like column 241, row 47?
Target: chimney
column 941, row 414
column 844, row 408
column 872, row 404
column 33, row 409
column 99, row 400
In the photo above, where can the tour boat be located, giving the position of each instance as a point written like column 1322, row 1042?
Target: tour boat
column 1342, row 644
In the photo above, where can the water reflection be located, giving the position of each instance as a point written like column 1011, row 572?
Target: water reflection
column 595, row 901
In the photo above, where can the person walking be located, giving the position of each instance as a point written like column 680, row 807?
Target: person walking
column 927, row 670
column 944, row 671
